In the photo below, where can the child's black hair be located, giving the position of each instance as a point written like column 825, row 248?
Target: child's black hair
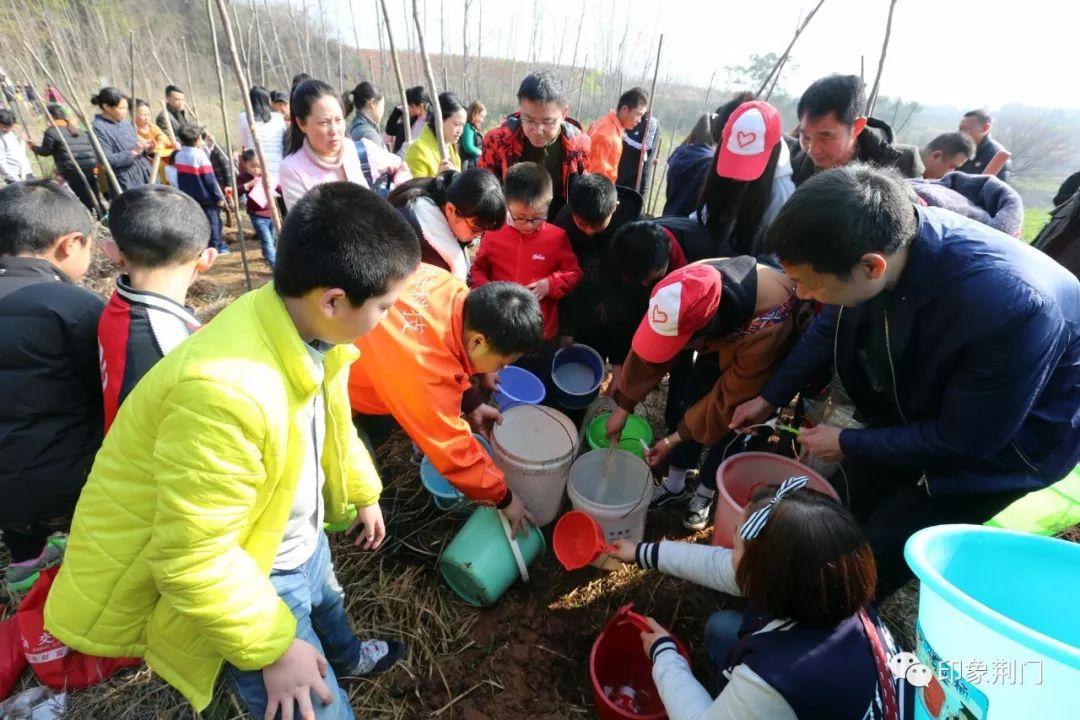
column 527, row 182
column 189, row 135
column 592, row 197
column 35, row 213
column 248, row 155
column 633, row 99
column 7, row 118
column 341, row 235
column 639, row 249
column 157, row 226
column 475, row 193
column 506, row 314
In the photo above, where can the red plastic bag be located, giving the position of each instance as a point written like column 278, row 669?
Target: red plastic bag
column 56, row 665
column 12, row 660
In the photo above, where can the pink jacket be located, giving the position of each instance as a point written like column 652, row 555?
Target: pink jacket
column 302, row 170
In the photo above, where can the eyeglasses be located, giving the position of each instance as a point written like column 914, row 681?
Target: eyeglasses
column 527, row 221
column 547, row 123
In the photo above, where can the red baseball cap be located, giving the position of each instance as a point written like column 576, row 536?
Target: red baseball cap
column 681, row 304
column 750, row 135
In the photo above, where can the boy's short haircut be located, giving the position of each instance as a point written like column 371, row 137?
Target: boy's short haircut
column 639, row 249
column 527, row 182
column 248, row 155
column 35, row 213
column 633, row 98
column 983, row 117
column 542, row 87
column 7, row 118
column 170, row 89
column 506, row 314
column 951, row 144
column 341, row 235
column 156, row 226
column 189, row 135
column 592, row 197
column 844, row 95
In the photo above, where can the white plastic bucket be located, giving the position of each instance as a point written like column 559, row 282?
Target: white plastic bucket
column 534, row 447
column 620, row 502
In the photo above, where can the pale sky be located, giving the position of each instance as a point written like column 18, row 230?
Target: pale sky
column 945, row 52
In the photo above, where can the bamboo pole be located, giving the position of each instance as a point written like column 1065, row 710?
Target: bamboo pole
column 872, row 100
column 190, row 84
column 397, row 74
column 225, row 123
column 168, row 124
column 649, row 115
column 436, row 108
column 131, row 44
column 783, row 58
column 76, row 104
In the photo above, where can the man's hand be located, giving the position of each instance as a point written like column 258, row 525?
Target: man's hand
column 752, row 412
column 656, row 454
column 823, row 441
column 541, row 288
column 625, row 550
column 518, row 516
column 292, row 678
column 615, row 424
column 373, row 527
column 648, row 639
column 616, row 381
column 484, row 419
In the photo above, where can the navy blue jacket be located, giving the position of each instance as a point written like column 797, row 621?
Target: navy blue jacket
column 984, row 339
column 686, row 171
column 984, row 153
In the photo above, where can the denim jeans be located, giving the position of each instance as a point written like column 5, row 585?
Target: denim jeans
column 264, row 231
column 316, row 599
column 721, row 635
column 213, row 214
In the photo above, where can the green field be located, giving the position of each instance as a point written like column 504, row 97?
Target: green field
column 1034, row 219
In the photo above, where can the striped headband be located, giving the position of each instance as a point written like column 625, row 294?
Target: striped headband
column 756, row 522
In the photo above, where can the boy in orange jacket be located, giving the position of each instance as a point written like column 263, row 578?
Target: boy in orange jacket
column 606, row 134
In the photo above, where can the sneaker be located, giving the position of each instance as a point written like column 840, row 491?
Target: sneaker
column 699, row 513
column 663, row 497
column 378, row 656
column 18, row 579
column 224, row 250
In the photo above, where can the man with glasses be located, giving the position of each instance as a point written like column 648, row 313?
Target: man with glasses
column 539, row 132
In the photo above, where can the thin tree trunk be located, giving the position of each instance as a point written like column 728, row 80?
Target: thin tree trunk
column 435, row 107
column 326, row 39
column 581, row 84
column 277, row 42
column 708, row 90
column 191, row 85
column 240, row 39
column 131, row 48
column 465, row 50
column 356, row 38
column 648, row 116
column 340, row 70
column 872, row 100
column 783, row 58
column 17, row 106
column 397, row 74
column 382, row 49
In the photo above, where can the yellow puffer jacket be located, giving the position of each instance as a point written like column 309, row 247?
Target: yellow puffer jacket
column 180, row 521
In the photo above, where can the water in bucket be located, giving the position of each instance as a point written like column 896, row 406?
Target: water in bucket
column 575, row 377
column 621, row 501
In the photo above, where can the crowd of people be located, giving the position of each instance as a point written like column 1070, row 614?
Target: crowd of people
column 184, row 473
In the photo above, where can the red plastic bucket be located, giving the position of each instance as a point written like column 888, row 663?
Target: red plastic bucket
column 742, row 475
column 617, row 661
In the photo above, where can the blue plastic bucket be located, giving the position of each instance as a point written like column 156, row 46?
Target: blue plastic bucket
column 479, row 563
column 576, row 374
column 998, row 626
column 518, row 386
column 446, row 496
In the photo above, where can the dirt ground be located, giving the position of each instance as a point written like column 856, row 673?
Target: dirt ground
column 527, row 657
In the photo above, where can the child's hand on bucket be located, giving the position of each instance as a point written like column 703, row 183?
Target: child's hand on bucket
column 648, row 639
column 519, row 518
column 625, row 550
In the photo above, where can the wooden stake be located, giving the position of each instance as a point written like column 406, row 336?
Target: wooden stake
column 190, row 85
column 251, row 123
column 76, row 104
column 872, row 100
column 783, row 58
column 168, row 124
column 435, row 107
column 648, row 116
column 397, row 74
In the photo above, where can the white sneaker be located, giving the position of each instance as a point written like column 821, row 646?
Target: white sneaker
column 699, row 513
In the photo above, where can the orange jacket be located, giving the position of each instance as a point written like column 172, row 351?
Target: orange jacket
column 606, row 136
column 413, row 366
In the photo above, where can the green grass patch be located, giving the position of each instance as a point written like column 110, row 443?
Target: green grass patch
column 1034, row 219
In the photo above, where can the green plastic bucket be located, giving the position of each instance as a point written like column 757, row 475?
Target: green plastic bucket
column 637, row 429
column 479, row 564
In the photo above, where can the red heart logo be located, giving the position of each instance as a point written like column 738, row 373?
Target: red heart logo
column 659, row 316
column 745, row 138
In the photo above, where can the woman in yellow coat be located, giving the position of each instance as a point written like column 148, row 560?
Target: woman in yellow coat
column 423, row 156
column 197, row 540
column 150, row 133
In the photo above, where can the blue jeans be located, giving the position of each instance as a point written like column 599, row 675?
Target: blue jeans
column 316, row 599
column 721, row 635
column 213, row 214
column 264, row 230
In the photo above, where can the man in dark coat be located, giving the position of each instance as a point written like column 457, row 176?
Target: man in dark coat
column 976, row 125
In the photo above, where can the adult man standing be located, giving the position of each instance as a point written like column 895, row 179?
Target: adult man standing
column 539, row 132
column 607, row 132
column 959, row 347
column 833, row 131
column 945, row 153
column 976, row 125
column 175, row 111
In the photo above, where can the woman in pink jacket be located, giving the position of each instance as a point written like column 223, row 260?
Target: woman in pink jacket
column 319, row 150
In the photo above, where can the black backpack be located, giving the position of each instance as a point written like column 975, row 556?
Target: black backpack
column 380, row 185
column 1060, row 237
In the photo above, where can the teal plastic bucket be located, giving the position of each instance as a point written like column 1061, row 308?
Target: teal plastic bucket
column 479, row 564
column 998, row 626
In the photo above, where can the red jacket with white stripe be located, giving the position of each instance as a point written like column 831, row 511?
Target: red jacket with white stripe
column 508, row 255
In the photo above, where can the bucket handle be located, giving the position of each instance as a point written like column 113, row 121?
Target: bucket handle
column 646, row 494
column 523, row 569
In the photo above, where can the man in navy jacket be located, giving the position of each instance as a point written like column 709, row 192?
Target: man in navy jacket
column 959, row 346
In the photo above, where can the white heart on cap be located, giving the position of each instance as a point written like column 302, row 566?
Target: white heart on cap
column 664, row 310
column 748, row 134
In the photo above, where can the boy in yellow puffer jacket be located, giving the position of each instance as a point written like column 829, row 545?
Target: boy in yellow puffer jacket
column 197, row 541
